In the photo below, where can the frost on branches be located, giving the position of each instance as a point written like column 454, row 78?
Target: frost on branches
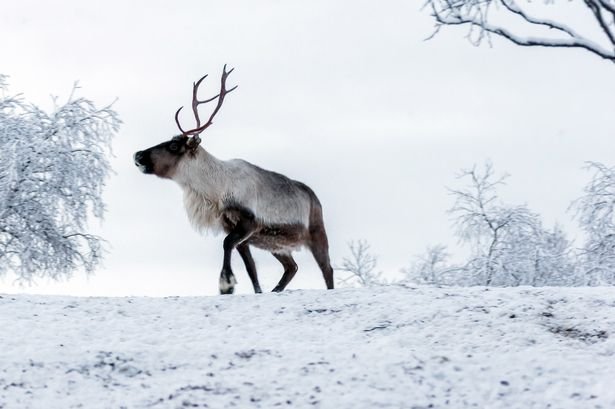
column 52, row 170
column 596, row 215
column 432, row 268
column 360, row 267
column 508, row 244
column 532, row 24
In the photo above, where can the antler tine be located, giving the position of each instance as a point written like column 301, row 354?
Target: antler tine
column 196, row 102
column 177, row 121
column 220, row 97
column 196, row 85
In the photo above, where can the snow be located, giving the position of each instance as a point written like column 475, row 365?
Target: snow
column 380, row 347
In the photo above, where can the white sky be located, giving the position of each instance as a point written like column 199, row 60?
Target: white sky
column 344, row 96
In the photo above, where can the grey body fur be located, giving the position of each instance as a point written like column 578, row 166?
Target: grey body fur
column 211, row 186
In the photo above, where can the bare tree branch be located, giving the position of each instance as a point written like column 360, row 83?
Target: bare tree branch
column 476, row 14
column 598, row 12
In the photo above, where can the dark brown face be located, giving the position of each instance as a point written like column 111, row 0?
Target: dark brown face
column 161, row 160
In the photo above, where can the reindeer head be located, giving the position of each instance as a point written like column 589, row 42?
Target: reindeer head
column 162, row 159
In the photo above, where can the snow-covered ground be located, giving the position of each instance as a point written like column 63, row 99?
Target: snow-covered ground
column 383, row 347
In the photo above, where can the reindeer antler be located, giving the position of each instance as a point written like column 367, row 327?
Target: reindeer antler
column 195, row 104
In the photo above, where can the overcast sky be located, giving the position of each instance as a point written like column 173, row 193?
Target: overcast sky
column 344, row 96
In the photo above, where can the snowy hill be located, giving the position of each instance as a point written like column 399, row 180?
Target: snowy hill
column 384, row 347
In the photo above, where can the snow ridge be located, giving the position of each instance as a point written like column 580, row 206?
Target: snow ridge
column 382, row 347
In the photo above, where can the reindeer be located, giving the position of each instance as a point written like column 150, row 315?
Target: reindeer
column 253, row 206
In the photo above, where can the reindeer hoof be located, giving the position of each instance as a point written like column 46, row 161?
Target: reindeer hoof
column 227, row 284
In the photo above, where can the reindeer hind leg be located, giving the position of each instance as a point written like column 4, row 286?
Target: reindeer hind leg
column 246, row 256
column 319, row 246
column 290, row 268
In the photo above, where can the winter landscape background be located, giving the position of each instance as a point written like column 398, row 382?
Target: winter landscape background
column 350, row 100
column 469, row 189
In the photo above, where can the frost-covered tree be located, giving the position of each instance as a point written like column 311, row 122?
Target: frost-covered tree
column 533, row 24
column 509, row 245
column 596, row 216
column 360, row 266
column 52, row 170
column 554, row 261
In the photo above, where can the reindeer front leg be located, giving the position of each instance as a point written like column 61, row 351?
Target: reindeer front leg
column 243, row 229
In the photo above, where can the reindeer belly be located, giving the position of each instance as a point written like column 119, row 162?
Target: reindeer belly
column 280, row 238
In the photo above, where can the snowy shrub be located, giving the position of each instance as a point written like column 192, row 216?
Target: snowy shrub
column 433, row 267
column 360, row 267
column 52, row 169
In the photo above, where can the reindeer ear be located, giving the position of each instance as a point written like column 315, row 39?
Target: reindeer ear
column 193, row 143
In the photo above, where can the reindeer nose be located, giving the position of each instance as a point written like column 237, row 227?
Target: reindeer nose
column 137, row 157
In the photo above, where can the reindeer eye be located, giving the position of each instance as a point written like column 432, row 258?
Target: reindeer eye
column 174, row 147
